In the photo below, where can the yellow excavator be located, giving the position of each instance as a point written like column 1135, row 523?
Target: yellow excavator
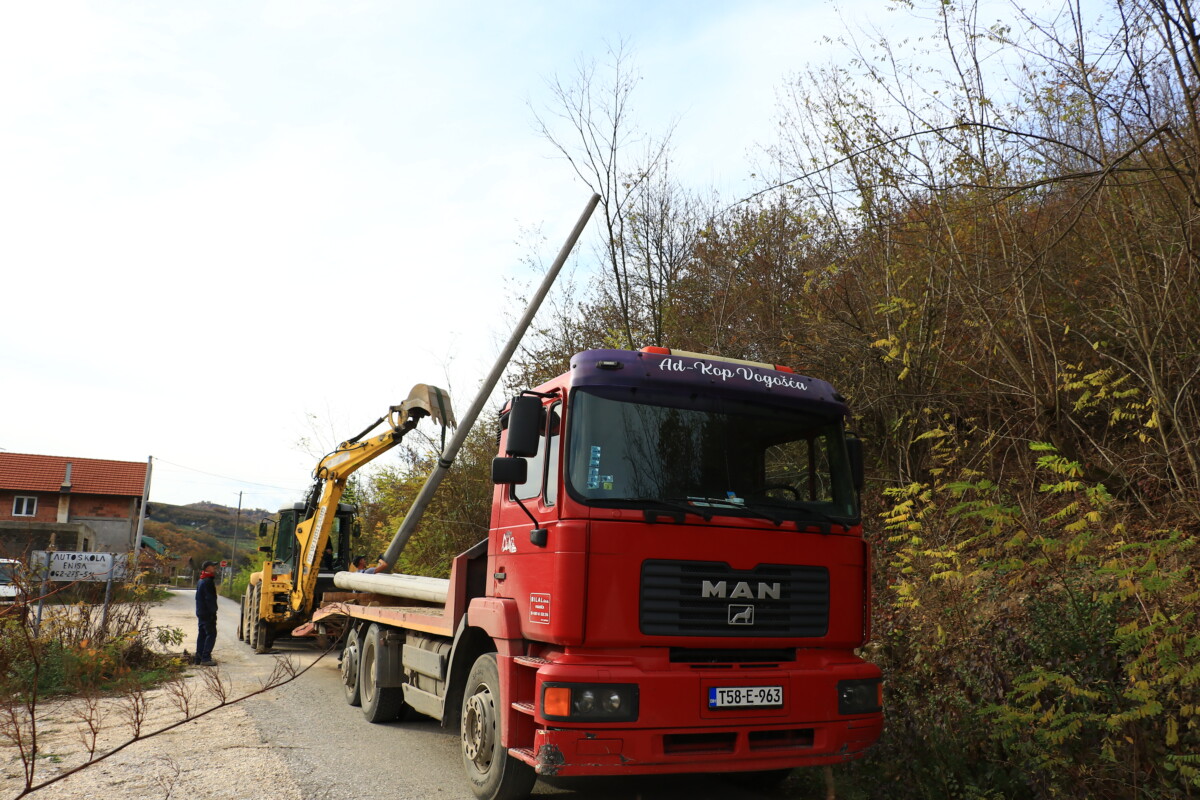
column 313, row 538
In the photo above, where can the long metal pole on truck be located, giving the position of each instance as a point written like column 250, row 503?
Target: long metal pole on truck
column 485, row 391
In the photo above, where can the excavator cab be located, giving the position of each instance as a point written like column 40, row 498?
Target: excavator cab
column 345, row 527
column 284, row 540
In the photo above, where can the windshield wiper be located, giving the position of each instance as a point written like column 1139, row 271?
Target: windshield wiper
column 817, row 516
column 723, row 502
column 821, row 515
column 674, row 505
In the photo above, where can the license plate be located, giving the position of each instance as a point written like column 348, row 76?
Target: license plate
column 745, row 696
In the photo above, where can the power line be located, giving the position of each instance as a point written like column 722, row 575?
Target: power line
column 225, row 477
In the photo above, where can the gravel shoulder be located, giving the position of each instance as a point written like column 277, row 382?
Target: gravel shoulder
column 221, row 755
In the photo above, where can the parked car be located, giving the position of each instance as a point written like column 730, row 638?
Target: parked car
column 9, row 590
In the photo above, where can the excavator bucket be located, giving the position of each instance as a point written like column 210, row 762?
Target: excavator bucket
column 434, row 401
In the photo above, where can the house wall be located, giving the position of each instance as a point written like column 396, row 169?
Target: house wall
column 18, row 539
column 111, row 518
column 47, row 506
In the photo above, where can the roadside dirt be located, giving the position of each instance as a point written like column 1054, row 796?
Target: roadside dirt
column 221, row 755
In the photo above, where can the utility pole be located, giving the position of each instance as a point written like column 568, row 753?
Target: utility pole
column 141, row 523
column 233, row 551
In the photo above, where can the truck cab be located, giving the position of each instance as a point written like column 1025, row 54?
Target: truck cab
column 681, row 568
column 674, row 580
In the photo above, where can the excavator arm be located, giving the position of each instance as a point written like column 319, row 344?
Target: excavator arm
column 333, row 471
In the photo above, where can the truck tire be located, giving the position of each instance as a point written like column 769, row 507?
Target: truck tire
column 242, row 617
column 349, row 667
column 491, row 771
column 379, row 703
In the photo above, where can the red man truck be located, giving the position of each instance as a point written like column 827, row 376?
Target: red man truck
column 675, row 580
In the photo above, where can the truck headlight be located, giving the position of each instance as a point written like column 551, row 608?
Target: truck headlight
column 590, row 702
column 860, row 696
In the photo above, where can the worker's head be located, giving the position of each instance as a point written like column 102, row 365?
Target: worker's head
column 360, row 562
column 210, row 567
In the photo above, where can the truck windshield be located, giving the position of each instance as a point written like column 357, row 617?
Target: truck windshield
column 8, row 573
column 709, row 455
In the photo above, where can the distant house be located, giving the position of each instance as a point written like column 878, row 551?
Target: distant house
column 72, row 503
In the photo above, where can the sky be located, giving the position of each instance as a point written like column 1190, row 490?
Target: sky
column 229, row 226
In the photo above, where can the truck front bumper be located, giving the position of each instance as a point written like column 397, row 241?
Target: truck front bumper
column 677, row 729
column 734, row 749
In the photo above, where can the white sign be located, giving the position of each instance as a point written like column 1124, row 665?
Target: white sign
column 68, row 566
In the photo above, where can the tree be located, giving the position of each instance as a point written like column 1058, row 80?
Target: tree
column 591, row 126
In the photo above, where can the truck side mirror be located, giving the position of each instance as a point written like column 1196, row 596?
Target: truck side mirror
column 509, row 470
column 854, row 448
column 356, row 529
column 524, row 426
column 262, row 529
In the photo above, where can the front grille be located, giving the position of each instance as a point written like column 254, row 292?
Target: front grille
column 769, row 600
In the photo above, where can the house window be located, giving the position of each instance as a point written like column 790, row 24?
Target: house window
column 24, row 506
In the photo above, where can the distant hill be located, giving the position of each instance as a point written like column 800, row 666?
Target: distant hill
column 199, row 532
column 207, row 517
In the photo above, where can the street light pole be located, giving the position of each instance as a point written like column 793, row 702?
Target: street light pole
column 233, row 551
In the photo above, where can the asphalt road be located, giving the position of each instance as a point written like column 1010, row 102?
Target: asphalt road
column 333, row 753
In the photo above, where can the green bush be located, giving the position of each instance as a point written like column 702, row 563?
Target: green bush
column 1033, row 647
column 236, row 587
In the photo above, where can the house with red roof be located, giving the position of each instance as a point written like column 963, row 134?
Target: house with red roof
column 68, row 503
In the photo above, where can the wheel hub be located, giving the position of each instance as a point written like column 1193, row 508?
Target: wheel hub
column 350, row 666
column 478, row 729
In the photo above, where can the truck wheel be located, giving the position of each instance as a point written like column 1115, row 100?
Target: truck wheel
column 492, row 772
column 350, row 668
column 379, row 703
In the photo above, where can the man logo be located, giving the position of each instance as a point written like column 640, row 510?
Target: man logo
column 741, row 590
column 741, row 615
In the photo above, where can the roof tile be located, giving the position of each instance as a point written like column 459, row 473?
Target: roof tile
column 25, row 472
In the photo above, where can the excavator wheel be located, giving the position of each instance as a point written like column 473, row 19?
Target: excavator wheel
column 379, row 703
column 242, row 617
column 492, row 772
column 260, row 635
column 251, row 617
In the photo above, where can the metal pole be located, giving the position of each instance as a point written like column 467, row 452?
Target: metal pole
column 137, row 539
column 468, row 420
column 237, row 524
column 112, row 566
column 37, row 622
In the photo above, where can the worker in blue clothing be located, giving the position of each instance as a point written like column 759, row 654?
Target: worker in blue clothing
column 206, row 614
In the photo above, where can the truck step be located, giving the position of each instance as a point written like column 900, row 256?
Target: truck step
column 525, row 754
column 531, row 661
column 524, row 708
